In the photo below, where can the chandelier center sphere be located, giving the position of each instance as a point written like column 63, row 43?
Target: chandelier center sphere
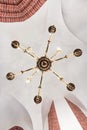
column 44, row 63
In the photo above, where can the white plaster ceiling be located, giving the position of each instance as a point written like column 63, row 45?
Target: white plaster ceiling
column 70, row 19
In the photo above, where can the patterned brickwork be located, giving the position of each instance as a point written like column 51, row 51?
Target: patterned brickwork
column 79, row 114
column 18, row 10
column 52, row 119
column 16, row 128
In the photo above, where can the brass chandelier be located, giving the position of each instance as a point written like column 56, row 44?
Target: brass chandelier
column 43, row 63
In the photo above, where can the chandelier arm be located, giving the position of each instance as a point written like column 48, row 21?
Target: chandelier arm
column 69, row 86
column 64, row 57
column 58, row 51
column 61, row 58
column 23, row 71
column 39, row 91
column 59, row 77
column 49, row 41
column 29, row 54
column 32, row 53
column 41, row 79
column 34, row 73
column 30, row 78
column 40, row 86
column 11, row 75
column 53, row 55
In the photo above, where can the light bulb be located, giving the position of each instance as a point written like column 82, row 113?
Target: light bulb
column 59, row 49
column 28, row 80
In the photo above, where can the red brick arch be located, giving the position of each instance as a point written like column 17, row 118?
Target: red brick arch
column 53, row 119
column 18, row 10
column 79, row 114
column 16, row 128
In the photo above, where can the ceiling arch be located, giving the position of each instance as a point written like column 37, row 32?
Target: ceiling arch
column 18, row 10
column 11, row 117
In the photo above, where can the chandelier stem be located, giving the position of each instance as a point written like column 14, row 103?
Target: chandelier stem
column 47, row 48
column 23, row 71
column 65, row 57
column 32, row 54
column 50, row 37
column 39, row 91
column 61, row 58
column 30, row 78
column 34, row 73
column 21, row 48
column 39, row 88
column 59, row 77
column 41, row 80
column 29, row 54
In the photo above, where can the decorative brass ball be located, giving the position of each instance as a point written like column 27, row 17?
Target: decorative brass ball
column 15, row 44
column 52, row 29
column 70, row 86
column 37, row 99
column 10, row 76
column 77, row 52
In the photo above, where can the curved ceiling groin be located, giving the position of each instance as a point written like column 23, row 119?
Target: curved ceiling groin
column 18, row 10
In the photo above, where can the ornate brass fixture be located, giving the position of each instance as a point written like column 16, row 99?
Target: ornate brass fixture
column 43, row 64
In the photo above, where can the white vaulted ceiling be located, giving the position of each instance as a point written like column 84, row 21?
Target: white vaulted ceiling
column 70, row 19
